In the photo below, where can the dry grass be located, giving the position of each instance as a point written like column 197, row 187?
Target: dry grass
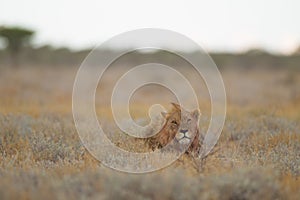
column 43, row 158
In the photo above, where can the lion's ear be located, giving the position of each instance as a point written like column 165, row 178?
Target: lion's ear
column 196, row 113
column 176, row 106
column 164, row 114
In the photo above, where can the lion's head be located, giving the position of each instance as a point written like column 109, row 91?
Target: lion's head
column 183, row 130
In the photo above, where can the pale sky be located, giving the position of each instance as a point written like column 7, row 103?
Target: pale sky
column 229, row 25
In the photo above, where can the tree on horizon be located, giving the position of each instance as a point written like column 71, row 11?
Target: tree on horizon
column 15, row 38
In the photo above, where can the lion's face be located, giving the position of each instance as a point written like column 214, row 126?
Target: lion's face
column 183, row 130
column 188, row 127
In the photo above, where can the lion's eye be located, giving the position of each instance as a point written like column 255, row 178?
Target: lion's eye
column 174, row 122
column 189, row 120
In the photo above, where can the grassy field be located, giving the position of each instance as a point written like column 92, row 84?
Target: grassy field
column 42, row 156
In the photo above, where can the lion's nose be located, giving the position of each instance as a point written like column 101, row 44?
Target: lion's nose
column 183, row 131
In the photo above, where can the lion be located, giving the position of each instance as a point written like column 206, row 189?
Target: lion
column 182, row 132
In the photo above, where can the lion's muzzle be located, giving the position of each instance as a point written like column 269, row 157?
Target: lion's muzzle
column 183, row 136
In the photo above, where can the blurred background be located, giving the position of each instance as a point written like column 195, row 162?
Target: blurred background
column 255, row 45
